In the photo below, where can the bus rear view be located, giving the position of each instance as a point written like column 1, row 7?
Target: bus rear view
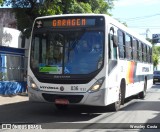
column 66, row 60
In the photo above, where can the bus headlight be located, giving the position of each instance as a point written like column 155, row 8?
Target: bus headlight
column 97, row 85
column 32, row 84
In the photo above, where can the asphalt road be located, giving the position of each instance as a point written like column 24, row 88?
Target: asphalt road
column 47, row 116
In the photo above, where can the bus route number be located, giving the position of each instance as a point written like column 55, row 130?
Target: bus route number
column 76, row 88
column 83, row 89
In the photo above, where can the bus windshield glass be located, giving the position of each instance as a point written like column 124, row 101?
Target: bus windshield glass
column 67, row 50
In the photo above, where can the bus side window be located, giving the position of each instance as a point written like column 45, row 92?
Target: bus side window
column 148, row 55
column 143, row 52
column 134, row 49
column 112, row 49
column 146, row 59
column 140, row 51
column 121, row 44
column 150, row 50
column 138, row 54
column 128, row 47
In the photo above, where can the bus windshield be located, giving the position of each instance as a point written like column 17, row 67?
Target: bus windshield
column 69, row 52
column 66, row 52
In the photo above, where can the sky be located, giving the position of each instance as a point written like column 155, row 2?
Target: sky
column 142, row 16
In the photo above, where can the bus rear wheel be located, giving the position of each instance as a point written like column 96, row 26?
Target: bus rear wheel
column 143, row 93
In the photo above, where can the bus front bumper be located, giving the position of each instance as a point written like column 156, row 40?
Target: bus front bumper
column 87, row 98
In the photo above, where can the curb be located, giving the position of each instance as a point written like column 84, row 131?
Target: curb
column 10, row 99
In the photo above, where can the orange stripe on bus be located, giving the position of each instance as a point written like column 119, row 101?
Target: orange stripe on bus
column 130, row 72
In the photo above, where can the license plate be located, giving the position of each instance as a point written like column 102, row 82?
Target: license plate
column 61, row 101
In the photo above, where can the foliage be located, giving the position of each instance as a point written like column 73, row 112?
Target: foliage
column 99, row 6
column 149, row 40
column 155, row 60
column 34, row 8
column 75, row 6
column 1, row 2
column 23, row 20
column 155, row 56
column 155, row 53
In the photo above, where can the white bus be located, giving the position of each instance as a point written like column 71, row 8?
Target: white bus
column 87, row 59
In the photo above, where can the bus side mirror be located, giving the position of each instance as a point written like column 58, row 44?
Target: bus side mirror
column 115, row 41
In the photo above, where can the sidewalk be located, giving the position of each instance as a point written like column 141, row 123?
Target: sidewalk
column 12, row 99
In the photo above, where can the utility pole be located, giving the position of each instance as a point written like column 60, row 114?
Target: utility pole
column 147, row 30
column 146, row 33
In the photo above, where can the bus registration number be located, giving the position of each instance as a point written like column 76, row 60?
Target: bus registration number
column 61, row 101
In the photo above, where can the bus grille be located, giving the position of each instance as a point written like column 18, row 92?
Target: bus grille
column 70, row 98
column 63, row 81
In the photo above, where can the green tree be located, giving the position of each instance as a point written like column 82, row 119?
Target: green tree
column 27, row 10
column 155, row 53
column 1, row 2
column 100, row 6
column 155, row 56
column 75, row 6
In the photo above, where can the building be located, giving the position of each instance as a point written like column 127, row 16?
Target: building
column 7, row 18
column 13, row 57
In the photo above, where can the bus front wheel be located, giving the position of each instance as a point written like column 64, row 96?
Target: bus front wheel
column 116, row 105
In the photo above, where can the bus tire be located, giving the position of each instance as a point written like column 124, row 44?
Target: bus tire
column 61, row 107
column 123, row 89
column 143, row 93
column 116, row 105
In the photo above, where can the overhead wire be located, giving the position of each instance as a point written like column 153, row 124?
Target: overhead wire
column 139, row 18
column 142, row 21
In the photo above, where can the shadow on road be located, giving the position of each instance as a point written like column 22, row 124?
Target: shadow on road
column 142, row 105
column 29, row 112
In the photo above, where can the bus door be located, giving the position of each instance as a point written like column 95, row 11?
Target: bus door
column 112, row 57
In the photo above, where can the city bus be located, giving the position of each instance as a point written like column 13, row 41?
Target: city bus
column 87, row 59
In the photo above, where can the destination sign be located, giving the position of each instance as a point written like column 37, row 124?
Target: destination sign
column 66, row 22
column 69, row 22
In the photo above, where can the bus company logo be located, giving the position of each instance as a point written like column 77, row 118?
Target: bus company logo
column 45, row 87
column 62, row 88
column 145, row 69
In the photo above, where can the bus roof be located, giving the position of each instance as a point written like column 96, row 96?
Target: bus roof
column 109, row 19
column 127, row 30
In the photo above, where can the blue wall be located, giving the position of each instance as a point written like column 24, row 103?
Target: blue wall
column 12, row 71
